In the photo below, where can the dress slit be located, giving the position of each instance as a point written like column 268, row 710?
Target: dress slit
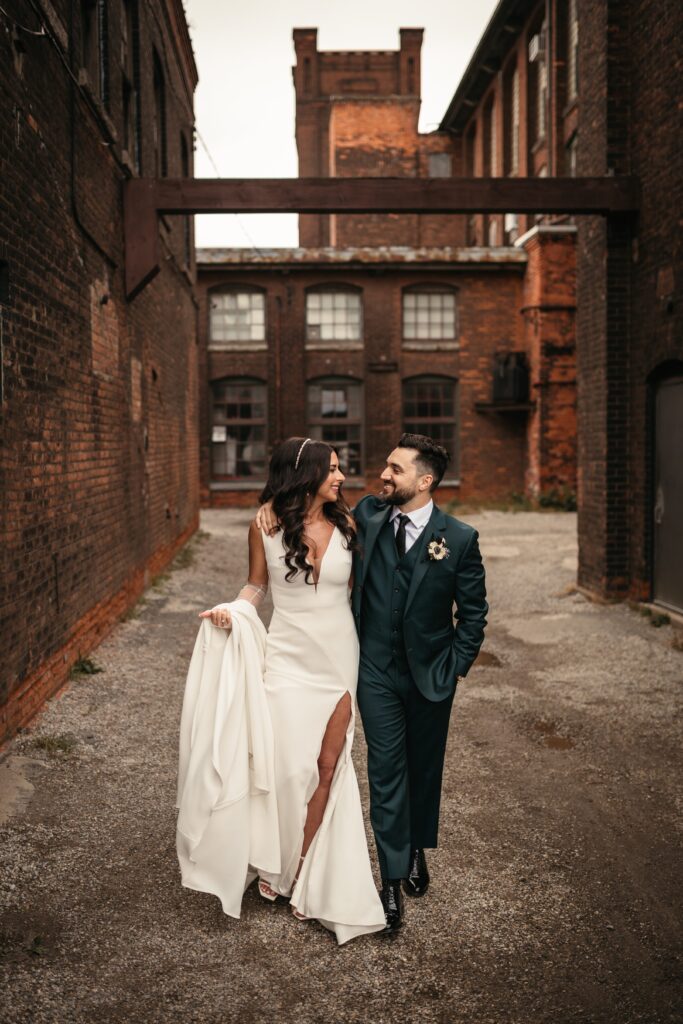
column 311, row 666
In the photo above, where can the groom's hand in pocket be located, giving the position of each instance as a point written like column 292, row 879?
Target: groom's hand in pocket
column 265, row 519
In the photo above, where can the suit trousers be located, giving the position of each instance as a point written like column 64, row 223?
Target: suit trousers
column 406, row 737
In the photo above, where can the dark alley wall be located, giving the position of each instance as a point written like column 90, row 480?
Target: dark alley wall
column 99, row 399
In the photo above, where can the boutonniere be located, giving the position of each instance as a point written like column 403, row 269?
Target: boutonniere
column 437, row 550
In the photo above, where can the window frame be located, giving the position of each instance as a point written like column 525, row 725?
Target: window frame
column 222, row 479
column 452, row 477
column 236, row 344
column 94, row 49
column 430, row 344
column 334, row 343
column 320, row 421
column 160, row 127
column 444, row 161
column 572, row 51
column 131, row 110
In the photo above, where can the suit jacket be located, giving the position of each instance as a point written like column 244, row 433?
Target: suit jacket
column 438, row 649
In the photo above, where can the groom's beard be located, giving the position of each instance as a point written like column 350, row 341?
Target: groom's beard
column 397, row 495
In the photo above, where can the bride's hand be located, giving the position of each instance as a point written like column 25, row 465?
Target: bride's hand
column 220, row 616
column 265, row 520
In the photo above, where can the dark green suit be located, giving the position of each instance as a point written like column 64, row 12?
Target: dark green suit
column 411, row 657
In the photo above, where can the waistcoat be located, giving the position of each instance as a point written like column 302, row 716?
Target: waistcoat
column 385, row 593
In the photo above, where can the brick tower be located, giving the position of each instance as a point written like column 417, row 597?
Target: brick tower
column 357, row 115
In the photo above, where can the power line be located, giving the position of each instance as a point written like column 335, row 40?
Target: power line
column 237, row 217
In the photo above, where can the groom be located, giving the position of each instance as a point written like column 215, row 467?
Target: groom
column 415, row 562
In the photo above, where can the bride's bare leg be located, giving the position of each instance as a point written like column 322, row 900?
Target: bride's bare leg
column 331, row 748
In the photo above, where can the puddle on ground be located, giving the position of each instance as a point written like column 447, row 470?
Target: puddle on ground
column 487, row 658
column 551, row 739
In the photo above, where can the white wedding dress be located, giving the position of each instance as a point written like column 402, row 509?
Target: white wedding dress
column 311, row 663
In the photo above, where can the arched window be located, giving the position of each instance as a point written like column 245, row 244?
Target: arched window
column 237, row 318
column 130, row 82
column 238, row 428
column 333, row 315
column 335, row 415
column 429, row 314
column 430, row 407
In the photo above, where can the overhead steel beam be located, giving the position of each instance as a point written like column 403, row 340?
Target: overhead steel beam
column 145, row 199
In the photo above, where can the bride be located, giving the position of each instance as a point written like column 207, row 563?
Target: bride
column 310, row 677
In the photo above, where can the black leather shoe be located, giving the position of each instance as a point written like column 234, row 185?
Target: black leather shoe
column 417, row 882
column 392, row 901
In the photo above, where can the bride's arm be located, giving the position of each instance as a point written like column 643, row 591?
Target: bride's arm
column 258, row 568
column 254, row 590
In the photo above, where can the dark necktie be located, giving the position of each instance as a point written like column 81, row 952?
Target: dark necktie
column 401, row 534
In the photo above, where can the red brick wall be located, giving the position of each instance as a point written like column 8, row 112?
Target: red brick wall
column 549, row 313
column 357, row 116
column 99, row 404
column 628, row 322
column 492, row 448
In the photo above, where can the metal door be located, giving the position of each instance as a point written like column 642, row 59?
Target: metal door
column 668, row 508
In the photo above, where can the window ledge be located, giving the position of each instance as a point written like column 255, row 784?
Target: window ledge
column 355, row 483
column 571, row 105
column 431, row 346
column 127, row 162
column 237, row 346
column 237, row 485
column 333, row 346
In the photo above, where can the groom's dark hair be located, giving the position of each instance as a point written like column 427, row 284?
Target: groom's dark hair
column 431, row 457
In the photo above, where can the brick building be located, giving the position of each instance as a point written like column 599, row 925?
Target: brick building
column 630, row 316
column 99, row 407
column 330, row 342
column 357, row 116
column 404, row 319
column 590, row 87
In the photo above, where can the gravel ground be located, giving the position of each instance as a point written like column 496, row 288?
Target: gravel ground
column 554, row 891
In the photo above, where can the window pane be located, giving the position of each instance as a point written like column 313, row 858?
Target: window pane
column 333, row 316
column 237, row 316
column 238, row 446
column 429, row 315
column 334, row 410
column 429, row 408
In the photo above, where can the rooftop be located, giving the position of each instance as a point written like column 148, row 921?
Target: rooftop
column 501, row 32
column 372, row 255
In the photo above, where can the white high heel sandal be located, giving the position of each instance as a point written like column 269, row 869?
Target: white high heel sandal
column 266, row 891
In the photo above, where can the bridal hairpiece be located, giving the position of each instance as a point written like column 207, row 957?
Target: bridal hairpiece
column 296, row 464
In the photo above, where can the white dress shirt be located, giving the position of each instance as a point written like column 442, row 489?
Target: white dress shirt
column 417, row 520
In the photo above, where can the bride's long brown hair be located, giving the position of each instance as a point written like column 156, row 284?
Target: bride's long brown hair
column 292, row 491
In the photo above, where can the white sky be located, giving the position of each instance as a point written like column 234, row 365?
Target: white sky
column 244, row 104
